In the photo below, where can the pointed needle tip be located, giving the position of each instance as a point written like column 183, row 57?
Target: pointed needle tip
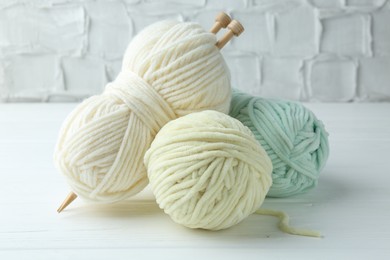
column 69, row 199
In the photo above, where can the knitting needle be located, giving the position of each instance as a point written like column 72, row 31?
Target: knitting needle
column 71, row 197
column 235, row 29
column 221, row 21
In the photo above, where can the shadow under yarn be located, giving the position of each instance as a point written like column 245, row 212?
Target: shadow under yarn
column 124, row 209
column 294, row 139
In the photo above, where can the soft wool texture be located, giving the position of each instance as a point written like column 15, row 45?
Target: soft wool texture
column 169, row 70
column 295, row 140
column 207, row 170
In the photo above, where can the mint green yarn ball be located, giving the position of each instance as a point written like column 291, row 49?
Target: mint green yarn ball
column 294, row 139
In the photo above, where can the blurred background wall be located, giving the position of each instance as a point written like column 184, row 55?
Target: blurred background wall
column 311, row 50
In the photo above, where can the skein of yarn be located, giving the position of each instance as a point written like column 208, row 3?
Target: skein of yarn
column 295, row 140
column 207, row 171
column 169, row 70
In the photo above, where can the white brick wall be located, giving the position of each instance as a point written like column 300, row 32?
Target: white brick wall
column 313, row 50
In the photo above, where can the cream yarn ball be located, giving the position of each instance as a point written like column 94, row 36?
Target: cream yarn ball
column 169, row 70
column 208, row 171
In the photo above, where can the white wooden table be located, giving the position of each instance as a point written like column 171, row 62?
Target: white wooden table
column 351, row 205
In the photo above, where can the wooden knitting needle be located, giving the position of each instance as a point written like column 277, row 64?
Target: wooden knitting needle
column 69, row 199
column 235, row 29
column 221, row 21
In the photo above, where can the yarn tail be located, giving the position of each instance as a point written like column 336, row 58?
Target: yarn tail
column 284, row 223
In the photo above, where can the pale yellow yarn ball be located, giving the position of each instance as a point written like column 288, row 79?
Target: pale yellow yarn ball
column 169, row 70
column 208, row 171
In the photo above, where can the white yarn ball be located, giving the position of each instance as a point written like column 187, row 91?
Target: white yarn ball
column 169, row 70
column 208, row 171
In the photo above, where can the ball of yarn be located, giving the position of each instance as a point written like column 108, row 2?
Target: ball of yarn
column 207, row 171
column 295, row 140
column 169, row 70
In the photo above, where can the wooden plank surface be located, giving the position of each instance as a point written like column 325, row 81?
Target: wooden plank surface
column 350, row 206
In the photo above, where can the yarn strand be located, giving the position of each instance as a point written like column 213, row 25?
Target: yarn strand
column 284, row 223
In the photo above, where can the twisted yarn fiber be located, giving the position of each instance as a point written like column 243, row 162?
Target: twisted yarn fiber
column 169, row 70
column 207, row 170
column 295, row 140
